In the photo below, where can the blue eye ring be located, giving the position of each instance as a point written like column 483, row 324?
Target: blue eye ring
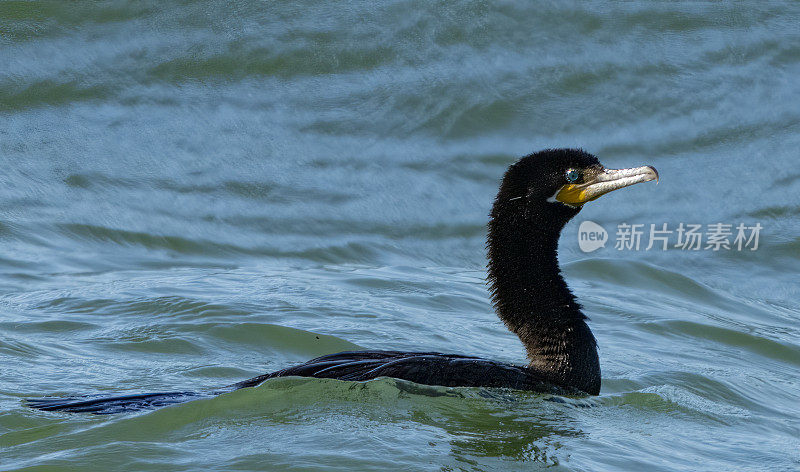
column 573, row 175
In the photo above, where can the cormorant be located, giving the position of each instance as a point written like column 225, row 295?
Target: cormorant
column 538, row 195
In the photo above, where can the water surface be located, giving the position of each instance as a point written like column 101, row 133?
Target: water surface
column 193, row 193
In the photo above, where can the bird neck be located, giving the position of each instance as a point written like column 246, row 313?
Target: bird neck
column 534, row 302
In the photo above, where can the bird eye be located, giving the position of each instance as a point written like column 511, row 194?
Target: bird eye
column 573, row 175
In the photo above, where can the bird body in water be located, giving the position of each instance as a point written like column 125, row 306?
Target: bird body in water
column 538, row 195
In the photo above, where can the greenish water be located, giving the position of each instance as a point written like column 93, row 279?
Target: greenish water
column 193, row 193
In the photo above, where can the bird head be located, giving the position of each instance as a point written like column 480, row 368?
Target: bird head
column 551, row 186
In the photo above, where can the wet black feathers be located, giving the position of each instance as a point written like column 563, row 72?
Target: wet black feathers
column 430, row 368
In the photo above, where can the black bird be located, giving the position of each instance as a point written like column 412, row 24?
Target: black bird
column 539, row 194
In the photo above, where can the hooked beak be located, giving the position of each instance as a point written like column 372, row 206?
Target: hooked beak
column 602, row 182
